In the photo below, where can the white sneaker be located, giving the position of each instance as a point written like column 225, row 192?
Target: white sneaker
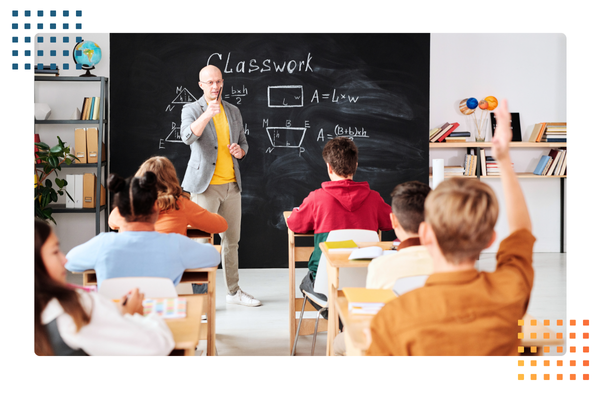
column 242, row 298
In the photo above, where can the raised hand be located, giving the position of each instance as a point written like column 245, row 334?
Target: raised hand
column 503, row 133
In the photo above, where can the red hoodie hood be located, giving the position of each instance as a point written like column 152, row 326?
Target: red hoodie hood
column 351, row 195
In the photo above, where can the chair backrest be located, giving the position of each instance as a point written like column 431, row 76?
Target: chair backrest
column 409, row 283
column 349, row 277
column 115, row 288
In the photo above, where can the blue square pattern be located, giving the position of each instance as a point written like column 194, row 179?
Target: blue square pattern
column 15, row 53
column 52, row 53
column 77, row 66
column 27, row 26
column 27, row 53
column 78, row 13
column 78, row 39
column 52, row 39
column 65, row 66
column 15, row 39
column 15, row 66
column 27, row 39
column 40, row 53
column 52, row 66
column 78, row 53
column 65, row 39
column 15, row 26
column 15, row 13
column 65, row 26
column 52, row 26
column 28, row 13
column 40, row 26
column 77, row 26
column 28, row 66
column 40, row 13
column 40, row 66
column 65, row 53
column 53, row 13
column 65, row 13
column 40, row 39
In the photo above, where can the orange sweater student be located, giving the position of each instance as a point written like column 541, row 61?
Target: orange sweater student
column 461, row 311
column 177, row 211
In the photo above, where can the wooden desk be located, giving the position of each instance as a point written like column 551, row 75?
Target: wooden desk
column 357, row 344
column 198, row 276
column 335, row 261
column 298, row 254
column 186, row 331
column 194, row 233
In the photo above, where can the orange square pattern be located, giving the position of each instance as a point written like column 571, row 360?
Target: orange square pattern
column 520, row 322
column 546, row 322
column 533, row 349
column 546, row 335
column 546, row 349
column 559, row 363
column 586, row 377
column 586, row 349
column 534, row 322
column 586, row 363
column 521, row 377
column 533, row 363
column 586, row 335
column 572, row 335
column 572, row 363
column 533, row 377
column 533, row 335
column 520, row 335
column 586, row 322
column 559, row 335
column 572, row 377
column 559, row 377
column 572, row 322
column 520, row 349
column 572, row 349
column 521, row 363
column 547, row 377
column 546, row 363
column 559, row 322
column 559, row 349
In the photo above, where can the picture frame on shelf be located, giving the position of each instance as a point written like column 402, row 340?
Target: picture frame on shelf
column 515, row 125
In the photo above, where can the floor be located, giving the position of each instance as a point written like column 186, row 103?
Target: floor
column 263, row 331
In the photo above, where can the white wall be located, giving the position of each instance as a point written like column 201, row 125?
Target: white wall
column 63, row 98
column 529, row 70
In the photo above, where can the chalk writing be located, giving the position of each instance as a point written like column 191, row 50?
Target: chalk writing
column 285, row 96
column 289, row 66
column 334, row 97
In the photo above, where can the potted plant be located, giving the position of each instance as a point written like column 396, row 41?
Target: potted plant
column 48, row 160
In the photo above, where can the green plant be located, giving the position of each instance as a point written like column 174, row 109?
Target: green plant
column 50, row 159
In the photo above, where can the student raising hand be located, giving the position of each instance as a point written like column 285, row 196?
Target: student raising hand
column 502, row 134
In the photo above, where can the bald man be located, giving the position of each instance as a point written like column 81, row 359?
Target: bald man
column 214, row 131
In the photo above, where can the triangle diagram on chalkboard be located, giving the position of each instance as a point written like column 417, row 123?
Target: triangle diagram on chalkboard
column 184, row 97
column 174, row 136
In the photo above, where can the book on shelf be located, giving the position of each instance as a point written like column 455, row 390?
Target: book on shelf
column 96, row 112
column 174, row 307
column 563, row 168
column 558, row 164
column 367, row 301
column 535, row 132
column 341, row 246
column 547, row 167
column 454, row 170
column 448, row 131
column 433, row 132
column 70, row 188
column 455, row 139
column 554, row 153
column 93, row 100
column 460, row 134
column 541, row 165
column 515, row 126
column 84, row 113
column 438, row 132
column 46, row 70
column 80, row 148
column 78, row 191
column 483, row 162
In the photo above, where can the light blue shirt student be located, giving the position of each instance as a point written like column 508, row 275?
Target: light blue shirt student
column 141, row 253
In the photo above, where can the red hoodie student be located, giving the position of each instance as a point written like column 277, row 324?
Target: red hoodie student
column 339, row 204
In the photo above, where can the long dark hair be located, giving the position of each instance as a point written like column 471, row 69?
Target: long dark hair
column 47, row 289
column 135, row 197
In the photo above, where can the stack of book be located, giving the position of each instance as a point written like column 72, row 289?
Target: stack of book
column 367, row 301
column 454, row 170
column 441, row 133
column 47, row 70
column 457, row 137
column 555, row 163
column 549, row 132
column 491, row 166
column 90, row 110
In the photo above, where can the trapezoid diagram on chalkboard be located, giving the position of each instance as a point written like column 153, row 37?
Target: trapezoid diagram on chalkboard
column 286, row 136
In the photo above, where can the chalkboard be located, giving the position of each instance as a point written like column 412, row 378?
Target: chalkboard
column 295, row 92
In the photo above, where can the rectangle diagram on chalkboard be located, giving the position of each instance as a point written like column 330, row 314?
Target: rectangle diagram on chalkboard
column 285, row 96
column 286, row 136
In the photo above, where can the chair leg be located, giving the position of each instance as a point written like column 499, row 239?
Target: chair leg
column 312, row 352
column 298, row 329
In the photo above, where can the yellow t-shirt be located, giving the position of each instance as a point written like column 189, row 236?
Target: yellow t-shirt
column 224, row 172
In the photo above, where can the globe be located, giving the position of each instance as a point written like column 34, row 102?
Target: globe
column 87, row 54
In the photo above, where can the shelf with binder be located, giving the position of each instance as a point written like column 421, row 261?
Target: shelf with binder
column 101, row 168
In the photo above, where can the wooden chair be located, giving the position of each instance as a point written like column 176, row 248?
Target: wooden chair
column 116, row 288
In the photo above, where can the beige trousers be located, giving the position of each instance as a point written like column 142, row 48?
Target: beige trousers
column 225, row 200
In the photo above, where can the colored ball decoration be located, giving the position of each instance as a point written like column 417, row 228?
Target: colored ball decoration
column 472, row 103
column 483, row 105
column 492, row 102
column 464, row 109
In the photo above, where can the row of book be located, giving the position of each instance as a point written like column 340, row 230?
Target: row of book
column 82, row 189
column 488, row 166
column 86, row 146
column 549, row 132
column 446, row 131
column 90, row 109
column 555, row 163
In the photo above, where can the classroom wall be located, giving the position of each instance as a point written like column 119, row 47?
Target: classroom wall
column 527, row 69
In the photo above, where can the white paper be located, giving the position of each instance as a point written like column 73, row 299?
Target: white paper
column 438, row 171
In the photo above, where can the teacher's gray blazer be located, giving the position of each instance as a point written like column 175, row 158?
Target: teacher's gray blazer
column 203, row 159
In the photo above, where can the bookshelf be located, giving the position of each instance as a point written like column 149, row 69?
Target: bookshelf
column 477, row 146
column 102, row 125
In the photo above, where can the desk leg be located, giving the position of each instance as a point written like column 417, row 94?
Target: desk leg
column 212, row 310
column 332, row 322
column 292, row 288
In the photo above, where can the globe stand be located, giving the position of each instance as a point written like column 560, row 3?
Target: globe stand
column 87, row 72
